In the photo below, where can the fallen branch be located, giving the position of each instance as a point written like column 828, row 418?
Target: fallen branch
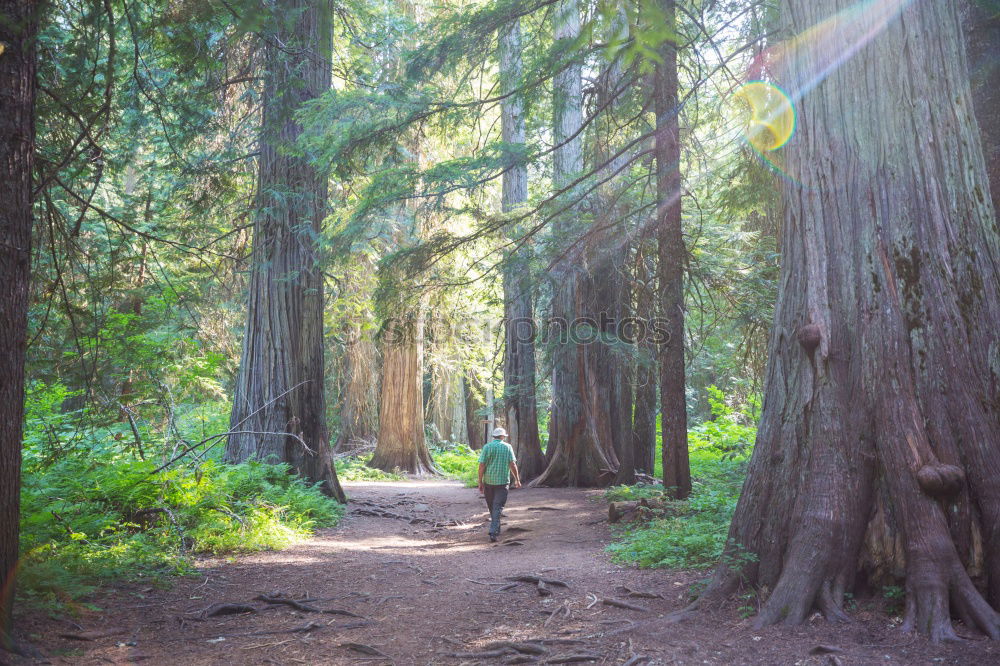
column 305, row 608
column 524, row 648
column 621, row 589
column 618, row 603
column 486, row 654
column 307, row 627
column 573, row 658
column 534, row 580
column 364, row 649
column 562, row 610
column 227, row 609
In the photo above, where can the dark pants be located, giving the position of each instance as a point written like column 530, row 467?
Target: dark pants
column 496, row 497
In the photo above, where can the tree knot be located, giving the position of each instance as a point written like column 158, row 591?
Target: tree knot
column 939, row 480
column 809, row 336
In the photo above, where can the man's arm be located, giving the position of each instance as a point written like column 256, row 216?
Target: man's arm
column 482, row 470
column 515, row 474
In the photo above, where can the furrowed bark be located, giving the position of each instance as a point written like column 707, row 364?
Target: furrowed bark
column 18, row 31
column 580, row 447
column 520, row 406
column 401, row 442
column 670, row 264
column 279, row 410
column 881, row 419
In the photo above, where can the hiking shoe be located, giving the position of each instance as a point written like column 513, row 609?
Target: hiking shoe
column 493, row 538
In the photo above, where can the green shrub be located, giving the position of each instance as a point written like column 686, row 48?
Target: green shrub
column 356, row 468
column 633, row 493
column 86, row 521
column 458, row 461
column 694, row 532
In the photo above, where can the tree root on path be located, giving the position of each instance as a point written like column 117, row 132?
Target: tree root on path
column 503, row 649
column 533, row 579
column 573, row 658
column 227, row 609
column 628, row 592
column 302, row 628
column 364, row 649
column 618, row 603
column 305, row 608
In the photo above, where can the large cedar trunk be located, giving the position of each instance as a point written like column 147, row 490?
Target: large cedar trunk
column 580, row 447
column 881, row 420
column 520, row 408
column 610, row 247
column 670, row 264
column 18, row 29
column 279, row 404
column 401, row 443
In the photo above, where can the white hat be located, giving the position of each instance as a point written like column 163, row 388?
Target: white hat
column 499, row 432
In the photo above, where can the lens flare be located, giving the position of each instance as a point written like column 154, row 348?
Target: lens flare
column 769, row 115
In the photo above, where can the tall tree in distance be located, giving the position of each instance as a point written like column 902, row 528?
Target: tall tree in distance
column 580, row 449
column 520, row 407
column 359, row 361
column 880, row 424
column 644, row 413
column 670, row 263
column 279, row 409
column 401, row 443
column 18, row 31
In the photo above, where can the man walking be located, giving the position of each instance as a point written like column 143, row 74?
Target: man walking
column 496, row 465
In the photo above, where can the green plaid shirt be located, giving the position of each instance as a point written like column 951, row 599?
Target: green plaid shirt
column 497, row 456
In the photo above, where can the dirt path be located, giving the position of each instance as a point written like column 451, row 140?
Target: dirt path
column 428, row 585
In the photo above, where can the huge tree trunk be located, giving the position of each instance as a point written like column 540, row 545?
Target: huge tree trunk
column 580, row 437
column 520, row 408
column 881, row 420
column 670, row 264
column 279, row 405
column 18, row 30
column 401, row 443
column 609, row 248
column 982, row 38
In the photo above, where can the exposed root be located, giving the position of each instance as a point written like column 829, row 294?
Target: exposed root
column 830, row 602
column 618, row 603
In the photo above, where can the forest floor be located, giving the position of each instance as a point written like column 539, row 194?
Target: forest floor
column 429, row 587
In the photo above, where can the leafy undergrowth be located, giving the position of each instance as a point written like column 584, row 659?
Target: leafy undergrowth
column 88, row 521
column 355, row 468
column 690, row 534
column 457, row 461
column 453, row 459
